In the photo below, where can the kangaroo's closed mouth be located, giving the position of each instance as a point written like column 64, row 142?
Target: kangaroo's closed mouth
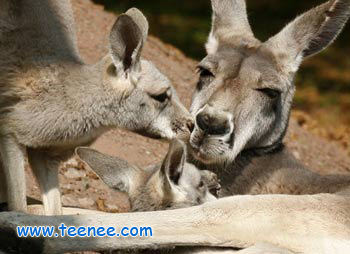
column 199, row 154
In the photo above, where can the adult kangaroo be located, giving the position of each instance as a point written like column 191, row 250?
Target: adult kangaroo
column 51, row 102
column 242, row 106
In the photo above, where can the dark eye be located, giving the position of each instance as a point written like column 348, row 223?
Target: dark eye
column 206, row 76
column 205, row 73
column 271, row 93
column 160, row 97
column 201, row 184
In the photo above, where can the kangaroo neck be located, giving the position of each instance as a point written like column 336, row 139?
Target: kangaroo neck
column 97, row 99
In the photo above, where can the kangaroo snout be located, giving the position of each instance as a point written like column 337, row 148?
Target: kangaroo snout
column 214, row 123
column 183, row 128
column 183, row 122
column 190, row 124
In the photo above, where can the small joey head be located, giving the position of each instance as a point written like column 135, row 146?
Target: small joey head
column 174, row 184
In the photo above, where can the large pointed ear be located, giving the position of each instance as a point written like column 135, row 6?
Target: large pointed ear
column 116, row 173
column 309, row 33
column 230, row 25
column 140, row 20
column 173, row 164
column 127, row 37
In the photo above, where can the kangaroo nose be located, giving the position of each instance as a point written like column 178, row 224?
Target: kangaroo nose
column 212, row 125
column 190, row 125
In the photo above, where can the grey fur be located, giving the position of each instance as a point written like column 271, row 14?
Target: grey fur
column 304, row 224
column 156, row 188
column 239, row 80
column 245, row 92
column 51, row 102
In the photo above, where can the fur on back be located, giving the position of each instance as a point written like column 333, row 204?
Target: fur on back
column 37, row 39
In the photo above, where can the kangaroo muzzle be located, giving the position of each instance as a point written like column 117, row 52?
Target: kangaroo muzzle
column 213, row 122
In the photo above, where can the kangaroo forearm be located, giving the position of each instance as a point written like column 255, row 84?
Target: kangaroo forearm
column 307, row 224
column 292, row 222
column 178, row 227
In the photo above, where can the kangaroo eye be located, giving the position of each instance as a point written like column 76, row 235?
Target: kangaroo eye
column 206, row 76
column 161, row 97
column 205, row 73
column 271, row 93
column 201, row 184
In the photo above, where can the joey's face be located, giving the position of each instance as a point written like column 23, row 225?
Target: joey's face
column 174, row 184
column 195, row 187
column 162, row 192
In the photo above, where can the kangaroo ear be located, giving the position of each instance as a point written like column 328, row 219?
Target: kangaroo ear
column 140, row 20
column 230, row 25
column 126, row 39
column 173, row 164
column 309, row 33
column 116, row 173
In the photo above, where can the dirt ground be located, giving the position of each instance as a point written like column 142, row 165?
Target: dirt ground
column 82, row 188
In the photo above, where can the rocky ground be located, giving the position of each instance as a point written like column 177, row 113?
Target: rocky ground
column 82, row 188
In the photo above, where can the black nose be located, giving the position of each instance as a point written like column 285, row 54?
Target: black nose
column 212, row 125
column 190, row 125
